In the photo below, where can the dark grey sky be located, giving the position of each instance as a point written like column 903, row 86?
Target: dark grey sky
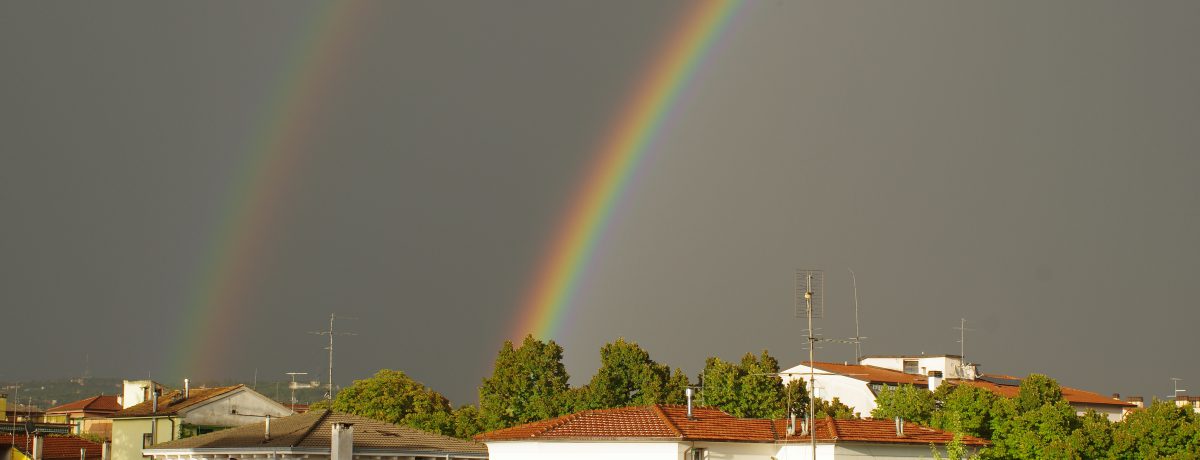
column 1030, row 167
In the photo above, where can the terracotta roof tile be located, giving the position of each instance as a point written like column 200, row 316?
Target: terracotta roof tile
column 871, row 373
column 1072, row 395
column 173, row 402
column 55, row 447
column 670, row 422
column 312, row 430
column 101, row 403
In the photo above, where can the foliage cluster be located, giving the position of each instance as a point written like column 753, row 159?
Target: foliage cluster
column 1039, row 423
column 530, row 383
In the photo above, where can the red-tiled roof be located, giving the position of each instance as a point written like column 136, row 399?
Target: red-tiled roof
column 670, row 422
column 173, row 402
column 55, row 447
column 1072, row 395
column 101, row 403
column 871, row 373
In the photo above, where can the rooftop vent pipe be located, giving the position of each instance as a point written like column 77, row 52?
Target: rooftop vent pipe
column 187, row 389
column 689, row 402
column 39, row 443
column 154, row 401
column 267, row 428
column 899, row 426
column 791, row 428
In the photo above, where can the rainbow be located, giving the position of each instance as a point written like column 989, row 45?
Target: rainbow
column 634, row 130
column 239, row 239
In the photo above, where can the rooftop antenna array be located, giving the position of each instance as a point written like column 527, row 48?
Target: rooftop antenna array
column 331, row 333
column 810, row 301
column 1175, row 382
column 293, row 387
column 962, row 345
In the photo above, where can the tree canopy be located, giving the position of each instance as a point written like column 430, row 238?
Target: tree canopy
column 392, row 396
column 905, row 401
column 528, row 383
column 628, row 377
column 751, row 388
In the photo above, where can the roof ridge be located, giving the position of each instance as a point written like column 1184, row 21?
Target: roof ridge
column 663, row 416
column 560, row 421
column 324, row 414
column 831, row 426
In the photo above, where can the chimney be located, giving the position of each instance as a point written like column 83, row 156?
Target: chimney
column 39, row 441
column 1137, row 401
column 82, row 453
column 791, row 428
column 934, row 380
column 1117, row 396
column 106, row 451
column 899, row 427
column 1180, row 400
column 341, row 442
column 688, row 392
column 804, row 426
column 267, row 428
column 187, row 389
column 154, row 401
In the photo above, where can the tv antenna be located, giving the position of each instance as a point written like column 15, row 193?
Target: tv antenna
column 1175, row 381
column 293, row 387
column 810, row 299
column 857, row 335
column 962, row 341
column 331, row 333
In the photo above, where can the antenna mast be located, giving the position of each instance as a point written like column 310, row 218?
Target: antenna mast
column 330, row 333
column 812, row 282
column 857, row 335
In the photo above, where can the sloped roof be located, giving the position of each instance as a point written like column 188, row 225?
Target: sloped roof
column 1072, row 395
column 101, row 403
column 868, row 373
column 670, row 422
column 313, row 430
column 173, row 402
column 55, row 447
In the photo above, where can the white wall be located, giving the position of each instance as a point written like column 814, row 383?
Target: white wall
column 948, row 366
column 852, row 450
column 1114, row 413
column 239, row 408
column 598, row 450
column 850, row 391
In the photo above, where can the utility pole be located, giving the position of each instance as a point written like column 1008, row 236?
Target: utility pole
column 330, row 333
column 812, row 376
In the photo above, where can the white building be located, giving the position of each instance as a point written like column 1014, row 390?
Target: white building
column 319, row 435
column 857, row 384
column 667, row 432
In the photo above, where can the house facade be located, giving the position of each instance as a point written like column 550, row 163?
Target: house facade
column 672, row 432
column 91, row 415
column 319, row 435
column 190, row 412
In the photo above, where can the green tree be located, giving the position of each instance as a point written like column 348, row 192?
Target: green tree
column 1036, row 391
column 466, row 421
column 906, row 401
column 795, row 396
column 834, row 408
column 628, row 377
column 1041, row 432
column 394, row 397
column 528, row 383
column 964, row 408
column 751, row 388
column 1093, row 439
column 1160, row 431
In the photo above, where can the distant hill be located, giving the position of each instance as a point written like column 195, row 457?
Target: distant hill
column 53, row 392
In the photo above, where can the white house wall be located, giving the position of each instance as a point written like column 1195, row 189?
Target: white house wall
column 1113, row 413
column 736, row 450
column 551, row 450
column 850, row 391
column 240, row 408
column 886, row 451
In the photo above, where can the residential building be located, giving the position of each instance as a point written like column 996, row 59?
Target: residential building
column 671, row 432
column 190, row 412
column 319, row 435
column 90, row 415
column 21, row 447
column 856, row 385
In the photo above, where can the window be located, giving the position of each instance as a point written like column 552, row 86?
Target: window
column 911, row 367
column 697, row 454
column 147, row 440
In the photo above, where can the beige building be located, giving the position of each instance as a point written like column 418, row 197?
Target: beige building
column 190, row 412
column 91, row 415
column 319, row 435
